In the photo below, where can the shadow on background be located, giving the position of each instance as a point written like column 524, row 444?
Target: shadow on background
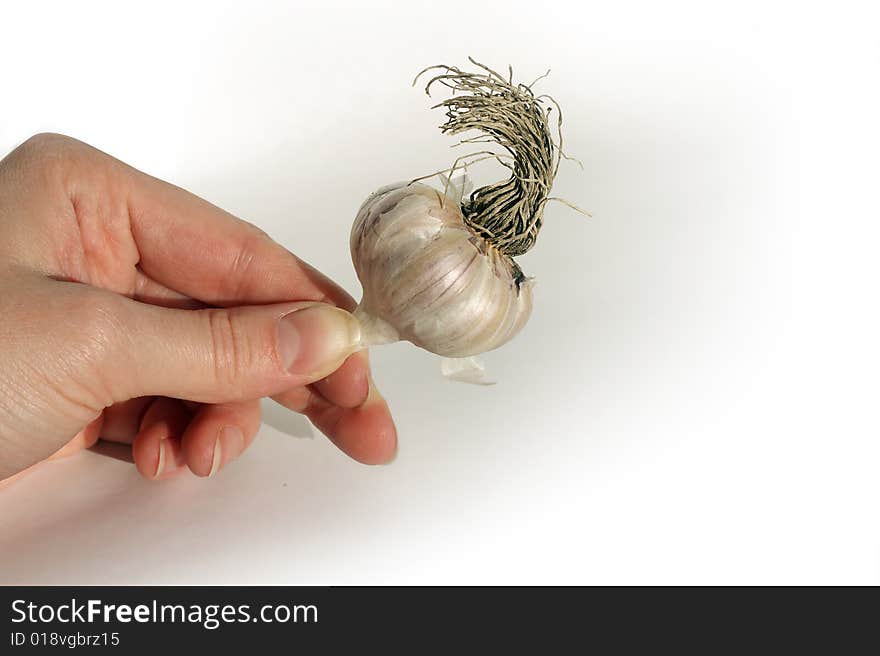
column 284, row 420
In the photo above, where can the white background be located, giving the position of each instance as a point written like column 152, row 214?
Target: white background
column 695, row 397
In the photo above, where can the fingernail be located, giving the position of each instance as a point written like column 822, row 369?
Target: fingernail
column 160, row 466
column 314, row 338
column 216, row 458
column 229, row 445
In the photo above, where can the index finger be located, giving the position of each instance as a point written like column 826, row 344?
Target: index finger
column 198, row 249
column 195, row 248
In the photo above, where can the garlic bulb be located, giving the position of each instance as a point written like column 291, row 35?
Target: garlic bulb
column 437, row 269
column 429, row 279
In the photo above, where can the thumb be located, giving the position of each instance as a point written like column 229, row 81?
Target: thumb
column 230, row 354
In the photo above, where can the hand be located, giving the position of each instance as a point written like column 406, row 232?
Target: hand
column 136, row 313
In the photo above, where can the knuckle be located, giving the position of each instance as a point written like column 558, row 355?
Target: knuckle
column 44, row 153
column 241, row 269
column 230, row 351
column 247, row 269
column 45, row 141
column 243, row 261
column 47, row 145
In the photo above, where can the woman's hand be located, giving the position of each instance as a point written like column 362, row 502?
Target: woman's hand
column 136, row 313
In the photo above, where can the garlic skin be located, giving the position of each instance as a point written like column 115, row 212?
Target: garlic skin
column 427, row 278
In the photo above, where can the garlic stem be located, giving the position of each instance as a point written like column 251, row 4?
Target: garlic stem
column 374, row 331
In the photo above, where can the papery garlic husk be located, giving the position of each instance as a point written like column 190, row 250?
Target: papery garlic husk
column 429, row 279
